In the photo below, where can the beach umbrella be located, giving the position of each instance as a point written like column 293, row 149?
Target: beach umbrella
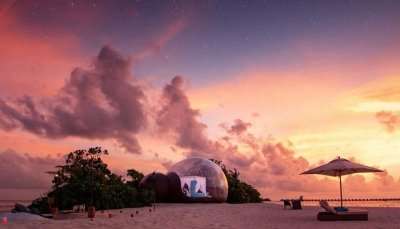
column 340, row 167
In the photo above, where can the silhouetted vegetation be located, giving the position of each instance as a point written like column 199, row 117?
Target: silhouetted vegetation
column 86, row 179
column 40, row 205
column 238, row 191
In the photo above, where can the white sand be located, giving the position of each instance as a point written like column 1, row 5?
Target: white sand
column 210, row 216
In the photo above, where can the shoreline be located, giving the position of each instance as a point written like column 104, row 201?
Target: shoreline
column 305, row 203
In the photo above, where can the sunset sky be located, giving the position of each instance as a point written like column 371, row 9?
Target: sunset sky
column 269, row 87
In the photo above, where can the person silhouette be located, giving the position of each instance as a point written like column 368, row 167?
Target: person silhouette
column 193, row 191
column 186, row 189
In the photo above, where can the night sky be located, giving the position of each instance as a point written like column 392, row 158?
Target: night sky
column 269, row 87
column 214, row 40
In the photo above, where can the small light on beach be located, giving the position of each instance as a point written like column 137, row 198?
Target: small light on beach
column 4, row 220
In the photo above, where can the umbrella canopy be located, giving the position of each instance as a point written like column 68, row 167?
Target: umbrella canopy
column 340, row 167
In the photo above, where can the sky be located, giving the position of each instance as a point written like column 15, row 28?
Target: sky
column 269, row 87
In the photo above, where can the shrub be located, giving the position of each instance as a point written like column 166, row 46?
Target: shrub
column 86, row 179
column 40, row 205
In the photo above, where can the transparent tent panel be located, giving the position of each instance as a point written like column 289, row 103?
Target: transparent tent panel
column 201, row 179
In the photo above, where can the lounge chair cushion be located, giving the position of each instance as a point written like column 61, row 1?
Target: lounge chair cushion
column 343, row 216
column 331, row 214
column 325, row 205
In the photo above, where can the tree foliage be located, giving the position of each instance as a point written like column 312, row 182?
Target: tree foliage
column 86, row 179
column 238, row 191
column 135, row 176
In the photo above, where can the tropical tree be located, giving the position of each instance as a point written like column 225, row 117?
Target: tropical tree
column 135, row 177
column 238, row 191
column 86, row 179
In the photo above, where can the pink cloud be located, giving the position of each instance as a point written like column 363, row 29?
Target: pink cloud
column 98, row 103
column 238, row 127
column 178, row 118
column 389, row 120
column 23, row 171
column 271, row 166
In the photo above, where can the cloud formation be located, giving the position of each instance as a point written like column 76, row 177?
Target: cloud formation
column 105, row 102
column 273, row 167
column 22, row 171
column 238, row 127
column 98, row 103
column 390, row 120
column 178, row 119
column 263, row 163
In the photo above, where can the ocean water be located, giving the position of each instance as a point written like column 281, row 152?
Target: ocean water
column 380, row 204
column 8, row 205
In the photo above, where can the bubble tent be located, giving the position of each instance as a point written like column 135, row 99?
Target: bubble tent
column 195, row 168
column 191, row 180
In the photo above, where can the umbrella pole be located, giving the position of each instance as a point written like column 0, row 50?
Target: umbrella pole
column 341, row 195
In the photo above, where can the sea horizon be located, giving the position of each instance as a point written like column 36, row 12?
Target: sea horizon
column 8, row 205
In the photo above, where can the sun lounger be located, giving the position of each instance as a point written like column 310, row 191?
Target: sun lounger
column 296, row 204
column 286, row 204
column 292, row 204
column 331, row 214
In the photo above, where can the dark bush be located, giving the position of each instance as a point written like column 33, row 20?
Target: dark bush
column 40, row 205
column 86, row 179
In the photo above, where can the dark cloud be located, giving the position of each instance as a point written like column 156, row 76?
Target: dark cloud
column 22, row 171
column 99, row 103
column 177, row 118
column 390, row 120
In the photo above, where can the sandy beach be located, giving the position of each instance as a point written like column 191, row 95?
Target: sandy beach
column 209, row 216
